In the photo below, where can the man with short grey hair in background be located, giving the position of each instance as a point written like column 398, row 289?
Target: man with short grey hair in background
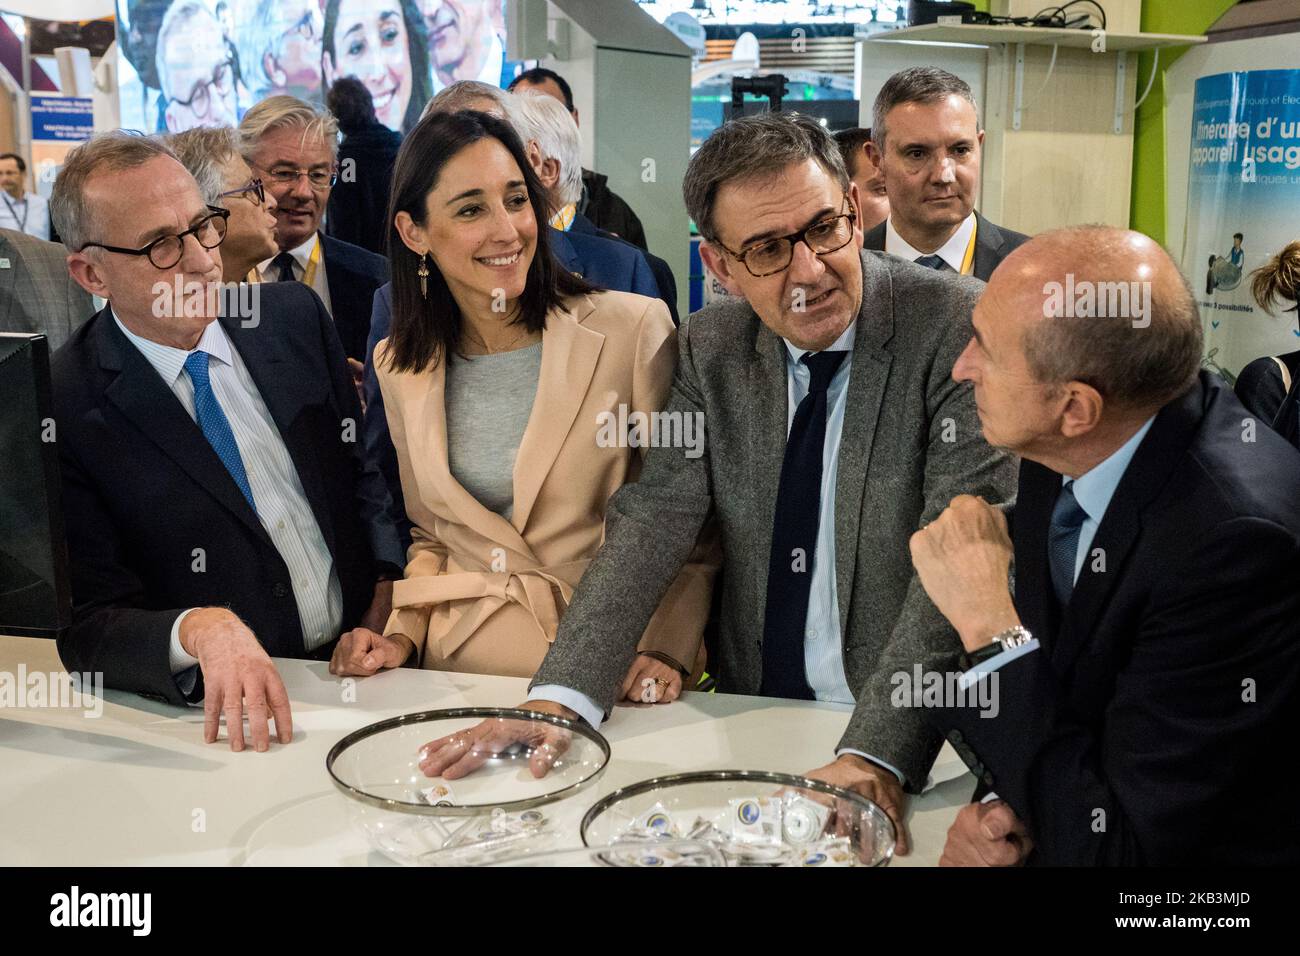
column 833, row 432
column 926, row 142
column 293, row 148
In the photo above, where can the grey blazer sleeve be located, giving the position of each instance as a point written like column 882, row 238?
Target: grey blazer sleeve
column 651, row 527
column 958, row 461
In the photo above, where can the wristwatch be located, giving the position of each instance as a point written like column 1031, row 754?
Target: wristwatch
column 1012, row 637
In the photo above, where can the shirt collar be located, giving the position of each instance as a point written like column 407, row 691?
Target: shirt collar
column 843, row 344
column 1094, row 489
column 301, row 254
column 563, row 220
column 952, row 252
column 169, row 362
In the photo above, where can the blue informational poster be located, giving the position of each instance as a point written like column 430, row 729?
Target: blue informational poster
column 62, row 119
column 187, row 63
column 1242, row 203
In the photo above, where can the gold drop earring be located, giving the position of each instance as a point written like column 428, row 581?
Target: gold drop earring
column 423, row 273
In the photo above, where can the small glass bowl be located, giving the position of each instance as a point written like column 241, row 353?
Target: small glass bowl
column 755, row 818
column 491, row 813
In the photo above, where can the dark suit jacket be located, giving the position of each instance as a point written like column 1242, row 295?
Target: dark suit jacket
column 36, row 292
column 608, row 210
column 911, row 442
column 358, row 206
column 1155, row 723
column 353, row 274
column 663, row 274
column 142, row 489
column 992, row 245
column 607, row 263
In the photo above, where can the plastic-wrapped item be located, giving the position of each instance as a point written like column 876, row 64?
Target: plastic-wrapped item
column 836, row 851
column 756, row 820
column 803, row 820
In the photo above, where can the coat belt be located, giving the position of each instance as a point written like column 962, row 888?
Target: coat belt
column 532, row 589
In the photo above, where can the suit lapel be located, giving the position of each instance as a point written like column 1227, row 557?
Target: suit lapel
column 1147, row 474
column 1035, row 599
column 867, row 378
column 149, row 403
column 767, row 392
column 424, row 412
column 988, row 243
column 569, row 355
column 286, row 392
column 563, row 251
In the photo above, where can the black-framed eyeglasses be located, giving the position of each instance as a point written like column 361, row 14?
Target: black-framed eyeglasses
column 287, row 175
column 200, row 101
column 771, row 256
column 165, row 251
column 253, row 186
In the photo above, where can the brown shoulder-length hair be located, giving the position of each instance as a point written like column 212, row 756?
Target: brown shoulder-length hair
column 426, row 328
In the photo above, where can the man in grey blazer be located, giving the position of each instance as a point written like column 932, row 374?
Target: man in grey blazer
column 36, row 292
column 927, row 143
column 816, row 477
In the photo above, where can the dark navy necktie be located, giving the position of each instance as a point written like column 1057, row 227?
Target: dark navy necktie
column 934, row 262
column 284, row 262
column 1063, row 542
column 794, row 536
column 214, row 424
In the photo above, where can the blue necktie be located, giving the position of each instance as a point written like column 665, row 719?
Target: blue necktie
column 794, row 537
column 215, row 425
column 933, row 262
column 1063, row 542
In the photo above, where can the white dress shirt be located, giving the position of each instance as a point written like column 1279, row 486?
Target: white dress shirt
column 301, row 256
column 282, row 506
column 953, row 252
column 31, row 214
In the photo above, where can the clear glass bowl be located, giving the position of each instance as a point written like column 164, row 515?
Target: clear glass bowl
column 499, row 810
column 664, row 853
column 754, row 818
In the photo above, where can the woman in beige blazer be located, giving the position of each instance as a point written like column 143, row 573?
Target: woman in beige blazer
column 474, row 280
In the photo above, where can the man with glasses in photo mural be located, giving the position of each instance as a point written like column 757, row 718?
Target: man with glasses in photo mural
column 197, row 69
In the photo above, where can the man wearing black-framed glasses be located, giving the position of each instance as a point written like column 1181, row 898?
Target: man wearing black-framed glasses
column 217, row 513
column 834, row 431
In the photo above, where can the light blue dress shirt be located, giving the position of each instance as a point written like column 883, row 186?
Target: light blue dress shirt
column 823, row 639
column 1093, row 490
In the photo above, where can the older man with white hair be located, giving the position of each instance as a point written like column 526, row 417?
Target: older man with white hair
column 551, row 140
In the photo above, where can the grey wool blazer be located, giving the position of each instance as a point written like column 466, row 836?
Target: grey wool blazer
column 36, row 292
column 911, row 442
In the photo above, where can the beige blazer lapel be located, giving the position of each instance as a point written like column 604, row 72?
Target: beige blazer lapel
column 569, row 354
column 425, row 415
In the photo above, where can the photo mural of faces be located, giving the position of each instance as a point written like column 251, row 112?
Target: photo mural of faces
column 190, row 63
